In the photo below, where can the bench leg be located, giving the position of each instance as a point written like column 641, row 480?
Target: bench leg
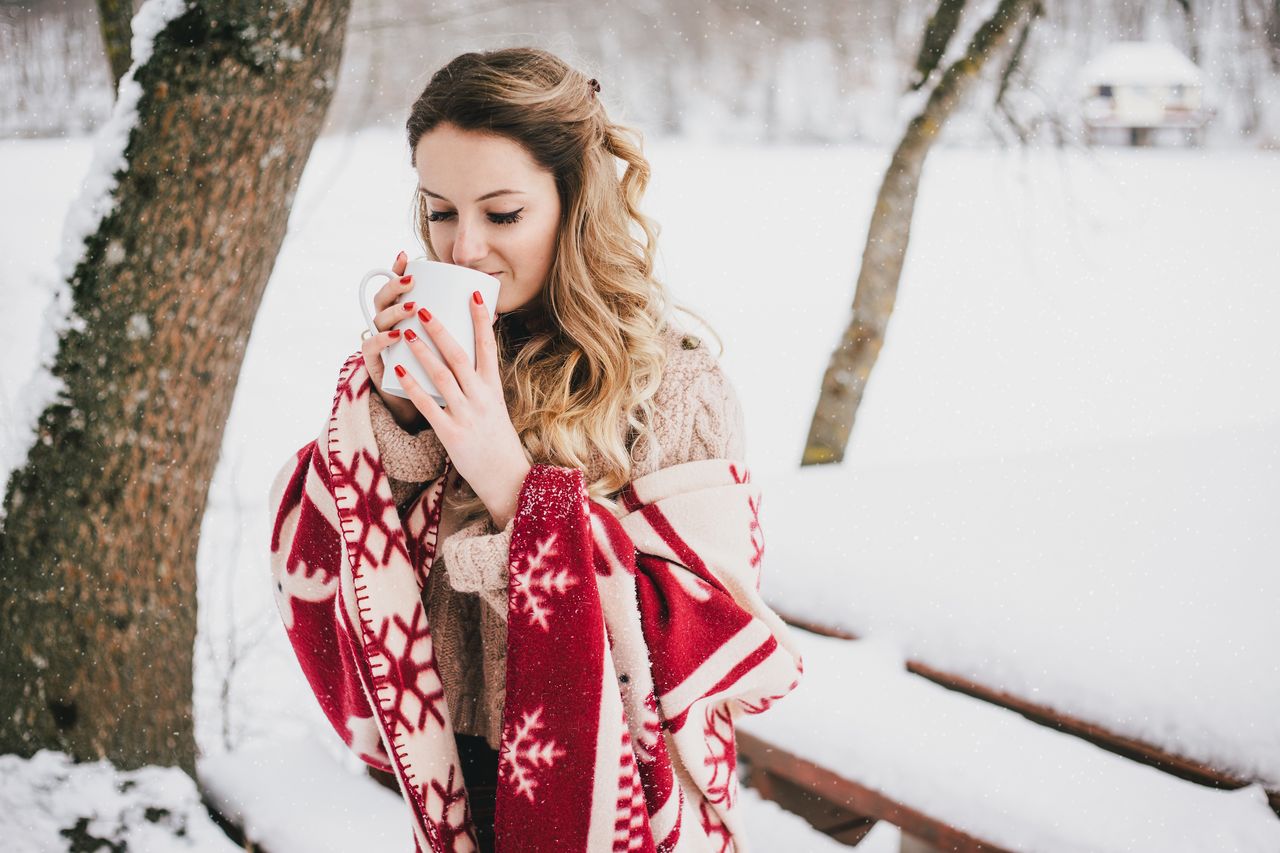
column 911, row 844
column 841, row 823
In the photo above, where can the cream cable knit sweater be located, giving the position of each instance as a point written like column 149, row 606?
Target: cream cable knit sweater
column 696, row 416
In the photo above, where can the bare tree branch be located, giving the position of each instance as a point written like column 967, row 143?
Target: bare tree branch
column 1010, row 67
column 938, row 31
column 1015, row 58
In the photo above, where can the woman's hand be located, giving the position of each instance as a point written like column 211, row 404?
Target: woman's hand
column 387, row 313
column 474, row 426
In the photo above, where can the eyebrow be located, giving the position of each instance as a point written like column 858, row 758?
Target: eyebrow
column 493, row 194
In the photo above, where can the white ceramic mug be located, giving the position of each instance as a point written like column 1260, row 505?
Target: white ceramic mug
column 444, row 290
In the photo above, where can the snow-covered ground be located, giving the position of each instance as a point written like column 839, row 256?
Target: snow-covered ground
column 48, row 803
column 1071, row 320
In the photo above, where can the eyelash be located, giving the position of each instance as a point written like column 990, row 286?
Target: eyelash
column 496, row 218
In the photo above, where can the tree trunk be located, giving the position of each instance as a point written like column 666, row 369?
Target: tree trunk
column 887, row 237
column 98, row 550
column 115, row 21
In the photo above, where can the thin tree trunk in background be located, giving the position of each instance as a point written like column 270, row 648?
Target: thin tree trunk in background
column 887, row 237
column 115, row 21
column 98, row 550
column 1193, row 30
column 1270, row 28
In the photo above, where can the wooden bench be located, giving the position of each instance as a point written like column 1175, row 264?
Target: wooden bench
column 956, row 772
column 1132, row 748
column 838, row 806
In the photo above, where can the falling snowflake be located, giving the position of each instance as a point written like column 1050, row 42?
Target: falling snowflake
column 524, row 753
column 537, row 580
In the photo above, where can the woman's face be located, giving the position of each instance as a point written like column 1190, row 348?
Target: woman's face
column 491, row 208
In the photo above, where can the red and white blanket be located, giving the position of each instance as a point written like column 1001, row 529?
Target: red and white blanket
column 632, row 644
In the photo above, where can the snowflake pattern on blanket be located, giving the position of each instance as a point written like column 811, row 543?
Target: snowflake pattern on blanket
column 633, row 641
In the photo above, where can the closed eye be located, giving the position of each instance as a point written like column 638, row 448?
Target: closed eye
column 496, row 218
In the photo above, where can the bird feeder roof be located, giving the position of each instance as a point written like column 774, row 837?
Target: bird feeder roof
column 1140, row 63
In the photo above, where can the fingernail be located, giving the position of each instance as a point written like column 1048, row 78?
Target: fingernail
column 399, row 370
column 406, row 279
column 394, row 333
column 424, row 315
column 408, row 306
column 410, row 335
column 479, row 300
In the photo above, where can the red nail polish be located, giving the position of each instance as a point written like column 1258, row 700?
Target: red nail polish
column 399, row 370
column 479, row 300
column 406, row 279
column 408, row 306
column 394, row 333
column 424, row 315
column 410, row 335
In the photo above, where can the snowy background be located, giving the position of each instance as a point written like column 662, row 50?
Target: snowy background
column 1099, row 326
column 725, row 70
column 1064, row 479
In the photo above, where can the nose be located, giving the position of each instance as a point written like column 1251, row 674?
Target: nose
column 469, row 244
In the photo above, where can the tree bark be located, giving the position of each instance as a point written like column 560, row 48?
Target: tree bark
column 115, row 19
column 887, row 237
column 98, row 550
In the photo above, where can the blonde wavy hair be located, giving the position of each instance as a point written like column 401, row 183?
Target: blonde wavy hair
column 586, row 357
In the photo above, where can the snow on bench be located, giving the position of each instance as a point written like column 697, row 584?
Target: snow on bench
column 1129, row 585
column 993, row 776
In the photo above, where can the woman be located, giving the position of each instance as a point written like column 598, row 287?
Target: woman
column 537, row 605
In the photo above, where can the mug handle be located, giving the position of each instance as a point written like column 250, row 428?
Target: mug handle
column 364, row 297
